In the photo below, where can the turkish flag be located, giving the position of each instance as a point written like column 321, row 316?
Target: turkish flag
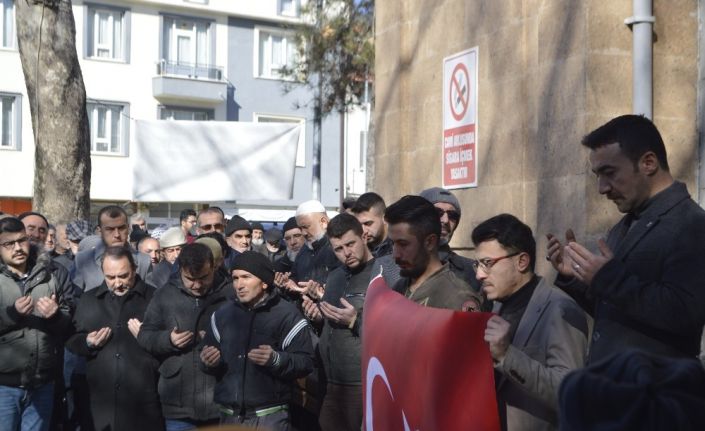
column 424, row 368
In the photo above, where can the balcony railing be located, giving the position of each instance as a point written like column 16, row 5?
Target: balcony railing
column 189, row 70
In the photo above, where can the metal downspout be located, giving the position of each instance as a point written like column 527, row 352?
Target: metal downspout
column 642, row 57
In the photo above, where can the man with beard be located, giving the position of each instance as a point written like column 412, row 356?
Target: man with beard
column 341, row 307
column 257, row 234
column 122, row 377
column 187, row 221
column 238, row 234
column 295, row 241
column 174, row 324
column 36, row 226
column 369, row 210
column 448, row 209
column 34, row 319
column 415, row 234
column 210, row 220
column 317, row 259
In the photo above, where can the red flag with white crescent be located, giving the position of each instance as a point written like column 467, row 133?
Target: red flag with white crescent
column 424, row 368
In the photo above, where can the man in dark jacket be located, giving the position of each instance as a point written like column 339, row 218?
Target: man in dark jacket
column 174, row 324
column 369, row 209
column 426, row 280
column 257, row 346
column 341, row 306
column 34, row 318
column 122, row 377
column 316, row 259
column 644, row 287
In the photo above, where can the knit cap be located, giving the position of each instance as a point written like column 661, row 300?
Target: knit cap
column 290, row 224
column 235, row 224
column 437, row 194
column 256, row 264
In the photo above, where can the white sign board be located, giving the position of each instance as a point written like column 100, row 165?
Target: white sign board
column 459, row 146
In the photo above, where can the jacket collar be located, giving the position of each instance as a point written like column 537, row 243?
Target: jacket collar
column 657, row 206
column 537, row 305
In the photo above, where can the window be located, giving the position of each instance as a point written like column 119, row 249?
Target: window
column 301, row 147
column 109, row 128
column 7, row 24
column 276, row 50
column 10, row 121
column 289, row 7
column 190, row 114
column 188, row 48
column 108, row 31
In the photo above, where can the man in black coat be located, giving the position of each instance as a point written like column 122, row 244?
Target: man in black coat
column 122, row 377
column 256, row 346
column 644, row 287
column 174, row 324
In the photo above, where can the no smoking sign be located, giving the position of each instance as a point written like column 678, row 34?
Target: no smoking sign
column 459, row 145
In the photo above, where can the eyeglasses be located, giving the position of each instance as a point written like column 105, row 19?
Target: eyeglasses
column 487, row 263
column 452, row 214
column 210, row 227
column 9, row 245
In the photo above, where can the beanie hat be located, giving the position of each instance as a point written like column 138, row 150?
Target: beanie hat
column 256, row 264
column 309, row 207
column 290, row 224
column 214, row 245
column 77, row 230
column 437, row 194
column 173, row 237
column 257, row 225
column 237, row 223
column 273, row 235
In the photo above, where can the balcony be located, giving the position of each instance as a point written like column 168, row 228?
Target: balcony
column 189, row 82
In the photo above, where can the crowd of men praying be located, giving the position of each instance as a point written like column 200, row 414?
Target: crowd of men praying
column 106, row 324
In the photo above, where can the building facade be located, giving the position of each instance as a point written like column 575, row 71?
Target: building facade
column 549, row 72
column 172, row 60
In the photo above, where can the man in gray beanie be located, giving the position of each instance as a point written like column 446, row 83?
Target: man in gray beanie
column 256, row 372
column 448, row 208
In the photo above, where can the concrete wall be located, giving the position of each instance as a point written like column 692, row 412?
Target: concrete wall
column 549, row 72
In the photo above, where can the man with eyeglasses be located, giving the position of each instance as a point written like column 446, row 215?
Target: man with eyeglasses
column 187, row 221
column 210, row 220
column 114, row 232
column 539, row 333
column 415, row 234
column 34, row 320
column 448, row 210
column 174, row 324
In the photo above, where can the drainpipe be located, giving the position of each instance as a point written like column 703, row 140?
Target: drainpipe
column 642, row 57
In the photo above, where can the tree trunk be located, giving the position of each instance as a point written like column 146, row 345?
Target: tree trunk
column 46, row 34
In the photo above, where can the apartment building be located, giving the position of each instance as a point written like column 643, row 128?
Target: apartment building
column 176, row 60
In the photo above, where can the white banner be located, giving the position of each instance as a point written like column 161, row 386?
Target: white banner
column 201, row 161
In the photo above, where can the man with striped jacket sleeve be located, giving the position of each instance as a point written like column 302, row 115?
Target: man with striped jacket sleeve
column 256, row 346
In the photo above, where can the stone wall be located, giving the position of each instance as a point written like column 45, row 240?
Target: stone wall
column 549, row 72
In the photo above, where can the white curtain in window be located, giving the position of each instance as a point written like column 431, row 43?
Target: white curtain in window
column 201, row 44
column 117, row 35
column 8, row 23
column 168, row 35
column 115, row 130
column 6, row 120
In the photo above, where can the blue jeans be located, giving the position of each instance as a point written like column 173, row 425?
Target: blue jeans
column 187, row 424
column 26, row 409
